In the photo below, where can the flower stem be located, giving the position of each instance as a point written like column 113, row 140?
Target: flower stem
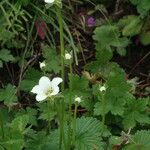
column 1, row 125
column 104, row 107
column 49, row 112
column 74, row 123
column 62, row 48
column 62, row 104
column 70, row 110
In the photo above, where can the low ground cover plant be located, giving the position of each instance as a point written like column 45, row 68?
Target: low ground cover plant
column 62, row 86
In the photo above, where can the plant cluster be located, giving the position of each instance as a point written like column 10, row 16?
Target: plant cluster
column 45, row 104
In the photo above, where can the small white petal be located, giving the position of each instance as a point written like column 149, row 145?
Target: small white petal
column 55, row 90
column 49, row 1
column 40, row 97
column 42, row 65
column 78, row 99
column 44, row 83
column 67, row 56
column 56, row 81
column 103, row 88
column 36, row 89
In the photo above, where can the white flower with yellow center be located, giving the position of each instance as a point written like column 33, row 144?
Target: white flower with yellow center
column 78, row 99
column 46, row 88
column 68, row 56
column 49, row 1
column 42, row 65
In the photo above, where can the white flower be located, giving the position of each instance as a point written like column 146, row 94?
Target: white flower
column 49, row 1
column 68, row 56
column 42, row 65
column 102, row 88
column 46, row 88
column 78, row 99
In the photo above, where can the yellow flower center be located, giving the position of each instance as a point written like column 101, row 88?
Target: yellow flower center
column 49, row 92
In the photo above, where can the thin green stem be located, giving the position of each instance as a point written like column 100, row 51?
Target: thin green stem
column 49, row 112
column 104, row 107
column 70, row 110
column 1, row 125
column 74, row 123
column 62, row 49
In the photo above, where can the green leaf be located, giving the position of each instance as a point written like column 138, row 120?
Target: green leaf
column 47, row 113
column 133, row 27
column 31, row 79
column 20, row 122
column 139, row 141
column 6, row 56
column 41, row 141
column 88, row 134
column 136, row 112
column 8, row 95
column 31, row 113
column 145, row 38
column 13, row 141
column 143, row 6
column 52, row 60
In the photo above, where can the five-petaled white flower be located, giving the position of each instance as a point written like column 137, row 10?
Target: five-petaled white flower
column 49, row 1
column 68, row 56
column 102, row 88
column 46, row 88
column 42, row 65
column 78, row 99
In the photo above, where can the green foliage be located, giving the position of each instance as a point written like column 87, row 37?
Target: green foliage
column 131, row 25
column 52, row 59
column 8, row 95
column 136, row 112
column 47, row 113
column 79, row 87
column 88, row 134
column 42, row 141
column 145, row 38
column 5, row 56
column 139, row 141
column 31, row 79
column 108, row 36
column 143, row 6
column 60, row 121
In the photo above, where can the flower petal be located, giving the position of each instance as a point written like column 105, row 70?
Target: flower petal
column 56, row 81
column 44, row 83
column 36, row 89
column 40, row 97
column 49, row 1
column 55, row 90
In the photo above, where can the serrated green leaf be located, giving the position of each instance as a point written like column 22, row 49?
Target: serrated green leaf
column 8, row 95
column 31, row 113
column 51, row 59
column 20, row 122
column 133, row 28
column 139, row 141
column 88, row 134
column 6, row 56
column 136, row 112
